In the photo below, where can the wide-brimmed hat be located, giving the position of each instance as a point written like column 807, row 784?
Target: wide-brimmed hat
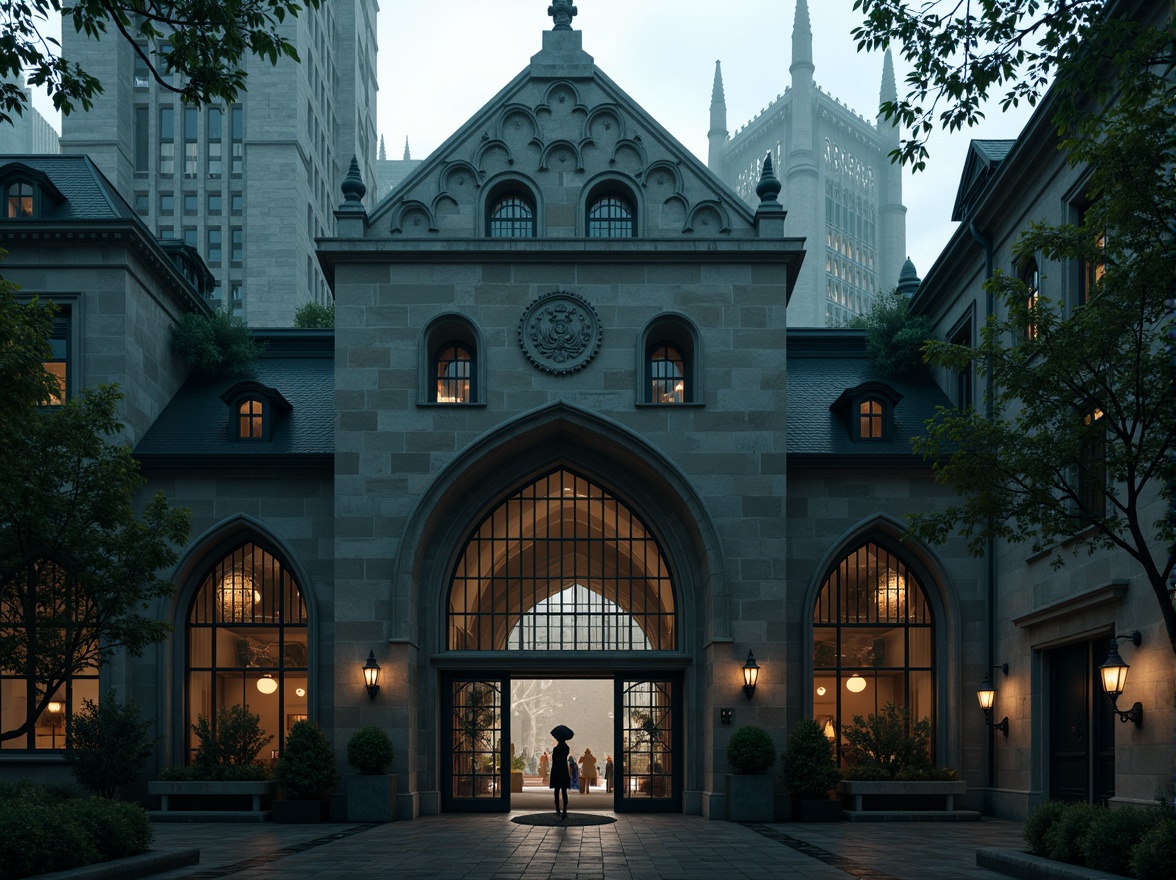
column 562, row 732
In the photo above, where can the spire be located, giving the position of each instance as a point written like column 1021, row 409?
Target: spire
column 908, row 279
column 717, row 136
column 407, row 154
column 383, row 152
column 888, row 92
column 802, row 40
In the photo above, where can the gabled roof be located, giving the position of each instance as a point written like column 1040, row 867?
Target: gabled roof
column 823, row 364
column 561, row 114
column 983, row 160
column 194, row 428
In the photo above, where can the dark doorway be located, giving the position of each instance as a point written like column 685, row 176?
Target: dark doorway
column 1081, row 727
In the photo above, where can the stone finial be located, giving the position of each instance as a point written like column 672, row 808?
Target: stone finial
column 383, row 153
column 407, row 152
column 352, row 186
column 908, row 279
column 768, row 188
column 562, row 11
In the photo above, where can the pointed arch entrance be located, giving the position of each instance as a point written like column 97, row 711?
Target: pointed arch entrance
column 562, row 574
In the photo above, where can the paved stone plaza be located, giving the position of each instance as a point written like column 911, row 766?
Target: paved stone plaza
column 635, row 846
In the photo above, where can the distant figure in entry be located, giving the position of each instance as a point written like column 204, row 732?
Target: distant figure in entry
column 544, row 766
column 608, row 773
column 587, row 771
column 560, row 776
column 574, row 772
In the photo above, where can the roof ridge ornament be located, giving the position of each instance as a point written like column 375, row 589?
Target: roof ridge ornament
column 353, row 187
column 562, row 11
column 768, row 188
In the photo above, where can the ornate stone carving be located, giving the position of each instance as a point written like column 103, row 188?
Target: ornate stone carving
column 560, row 332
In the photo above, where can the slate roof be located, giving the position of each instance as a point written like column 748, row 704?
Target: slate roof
column 88, row 194
column 982, row 162
column 194, row 428
column 822, row 364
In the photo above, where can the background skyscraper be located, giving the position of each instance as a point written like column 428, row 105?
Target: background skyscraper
column 841, row 191
column 252, row 184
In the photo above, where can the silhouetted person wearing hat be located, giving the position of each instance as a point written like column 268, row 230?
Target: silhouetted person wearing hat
column 560, row 777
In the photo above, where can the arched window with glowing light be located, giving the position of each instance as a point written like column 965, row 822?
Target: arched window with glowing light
column 454, row 369
column 667, row 375
column 561, row 565
column 872, row 642
column 247, row 644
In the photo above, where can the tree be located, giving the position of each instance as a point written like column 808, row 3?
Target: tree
column 894, row 336
column 204, row 44
column 108, row 744
column 962, row 54
column 313, row 316
column 77, row 565
column 1077, row 448
column 25, row 329
column 216, row 346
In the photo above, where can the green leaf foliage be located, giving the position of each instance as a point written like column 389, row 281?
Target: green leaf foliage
column 108, row 744
column 810, row 768
column 370, row 751
column 25, row 328
column 751, row 750
column 217, row 346
column 961, row 55
column 894, row 336
column 306, row 770
column 1114, row 834
column 313, row 316
column 1038, row 822
column 1154, row 857
column 233, row 741
column 1063, row 841
column 198, row 49
column 1071, row 446
column 79, row 566
column 889, row 745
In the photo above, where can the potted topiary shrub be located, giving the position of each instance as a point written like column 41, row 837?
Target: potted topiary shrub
column 371, row 795
column 810, row 772
column 750, row 791
column 305, row 774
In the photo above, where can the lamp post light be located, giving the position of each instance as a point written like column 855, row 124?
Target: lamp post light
column 751, row 671
column 986, row 695
column 371, row 675
column 1114, row 678
column 55, row 709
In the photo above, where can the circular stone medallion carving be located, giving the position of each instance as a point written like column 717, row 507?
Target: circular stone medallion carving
column 560, row 332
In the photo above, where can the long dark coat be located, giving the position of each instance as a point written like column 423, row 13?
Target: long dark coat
column 559, row 767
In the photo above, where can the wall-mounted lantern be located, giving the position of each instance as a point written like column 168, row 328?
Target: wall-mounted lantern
column 371, row 675
column 751, row 671
column 1114, row 678
column 986, row 694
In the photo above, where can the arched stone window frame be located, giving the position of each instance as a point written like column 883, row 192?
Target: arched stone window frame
column 611, row 185
column 947, row 640
column 195, row 566
column 505, row 186
column 670, row 328
column 451, row 328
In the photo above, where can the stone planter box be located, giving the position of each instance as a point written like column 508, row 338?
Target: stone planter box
column 297, row 812
column 371, row 798
column 815, row 810
column 516, row 780
column 892, row 794
column 751, row 798
column 213, row 795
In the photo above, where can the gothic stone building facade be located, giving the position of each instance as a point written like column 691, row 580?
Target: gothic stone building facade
column 561, row 430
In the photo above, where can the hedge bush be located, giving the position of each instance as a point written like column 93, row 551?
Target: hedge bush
column 1154, row 857
column 750, row 750
column 1038, row 823
column 1113, row 835
column 306, row 770
column 1063, row 841
column 44, row 831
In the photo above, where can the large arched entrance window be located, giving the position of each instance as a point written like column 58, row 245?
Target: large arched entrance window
column 561, row 565
column 872, row 642
column 247, row 644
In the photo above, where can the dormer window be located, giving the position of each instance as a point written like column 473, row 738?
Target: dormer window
column 868, row 411
column 871, row 424
column 255, row 411
column 18, row 200
column 28, row 193
column 250, row 421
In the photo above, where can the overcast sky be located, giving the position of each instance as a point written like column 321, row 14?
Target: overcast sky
column 440, row 61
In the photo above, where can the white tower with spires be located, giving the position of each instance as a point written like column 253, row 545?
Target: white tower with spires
column 841, row 191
